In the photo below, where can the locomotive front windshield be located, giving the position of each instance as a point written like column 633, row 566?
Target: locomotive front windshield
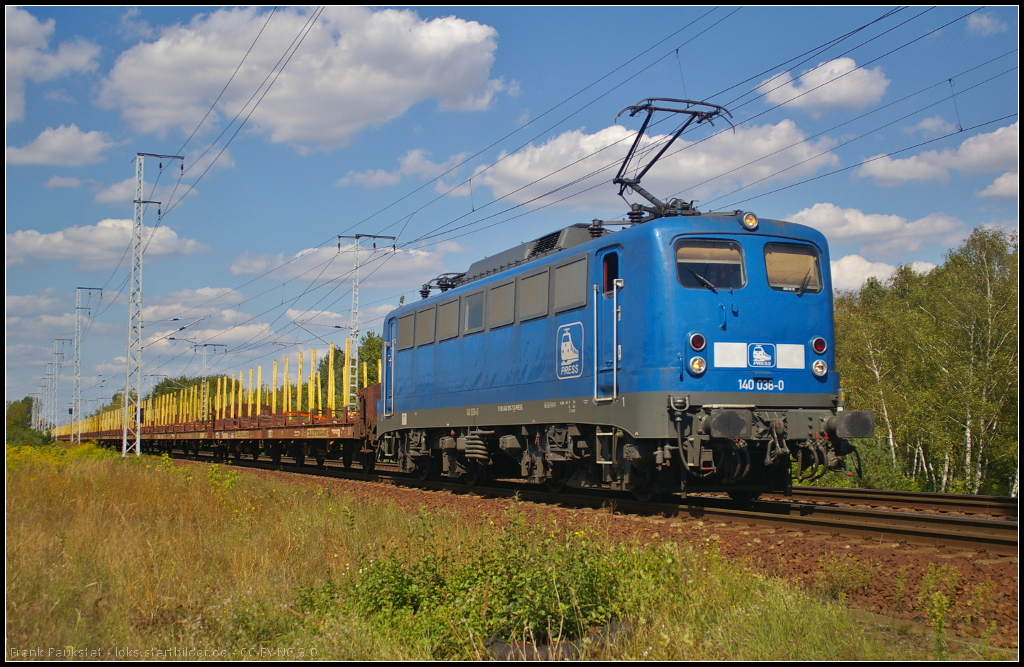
column 710, row 265
column 792, row 268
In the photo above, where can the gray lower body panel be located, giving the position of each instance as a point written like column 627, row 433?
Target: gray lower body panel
column 643, row 415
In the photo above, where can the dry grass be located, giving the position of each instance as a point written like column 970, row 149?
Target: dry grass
column 138, row 554
column 146, row 556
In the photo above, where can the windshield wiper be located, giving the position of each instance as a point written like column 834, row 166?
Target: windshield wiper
column 703, row 281
column 803, row 285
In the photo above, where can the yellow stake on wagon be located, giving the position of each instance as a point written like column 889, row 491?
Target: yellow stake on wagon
column 286, row 389
column 346, row 373
column 298, row 387
column 331, row 403
column 312, row 372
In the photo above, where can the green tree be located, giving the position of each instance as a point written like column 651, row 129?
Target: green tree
column 173, row 385
column 935, row 356
column 19, row 424
column 968, row 341
column 370, row 346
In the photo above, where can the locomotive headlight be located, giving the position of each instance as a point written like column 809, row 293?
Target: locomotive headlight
column 698, row 365
column 749, row 221
column 819, row 368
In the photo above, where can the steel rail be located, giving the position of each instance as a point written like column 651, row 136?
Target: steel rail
column 917, row 500
column 883, row 526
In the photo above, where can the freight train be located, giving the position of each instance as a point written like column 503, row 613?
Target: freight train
column 685, row 352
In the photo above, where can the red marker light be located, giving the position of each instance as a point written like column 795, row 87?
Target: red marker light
column 819, row 345
column 697, row 341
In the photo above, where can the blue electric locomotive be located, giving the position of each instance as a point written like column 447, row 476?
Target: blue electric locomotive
column 684, row 352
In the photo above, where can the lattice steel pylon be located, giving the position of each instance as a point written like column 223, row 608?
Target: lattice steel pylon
column 353, row 331
column 353, row 327
column 58, row 362
column 76, row 385
column 131, row 402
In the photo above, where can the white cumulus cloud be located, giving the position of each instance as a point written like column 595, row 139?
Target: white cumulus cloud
column 1004, row 187
column 189, row 304
column 63, row 182
column 416, row 162
column 930, row 127
column 27, row 356
column 27, row 55
column 876, row 233
column 94, row 247
column 61, row 147
column 355, row 68
column 985, row 24
column 691, row 170
column 831, row 85
column 850, row 272
column 41, row 303
column 405, row 268
column 991, row 151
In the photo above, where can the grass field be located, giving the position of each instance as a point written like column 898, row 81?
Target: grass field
column 142, row 558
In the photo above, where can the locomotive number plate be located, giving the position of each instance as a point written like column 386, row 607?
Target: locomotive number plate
column 762, row 385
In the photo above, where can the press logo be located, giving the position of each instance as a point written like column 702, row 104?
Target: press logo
column 761, row 355
column 569, row 352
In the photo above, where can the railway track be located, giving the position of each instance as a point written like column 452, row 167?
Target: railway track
column 937, row 503
column 887, row 526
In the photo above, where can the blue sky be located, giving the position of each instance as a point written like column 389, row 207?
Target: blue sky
column 462, row 131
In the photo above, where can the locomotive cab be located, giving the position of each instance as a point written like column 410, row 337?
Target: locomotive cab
column 757, row 366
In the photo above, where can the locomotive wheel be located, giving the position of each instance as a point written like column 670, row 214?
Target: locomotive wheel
column 555, row 485
column 644, row 493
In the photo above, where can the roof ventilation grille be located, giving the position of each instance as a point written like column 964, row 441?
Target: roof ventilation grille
column 544, row 244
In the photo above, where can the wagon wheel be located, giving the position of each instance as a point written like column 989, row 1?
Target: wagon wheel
column 369, row 461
